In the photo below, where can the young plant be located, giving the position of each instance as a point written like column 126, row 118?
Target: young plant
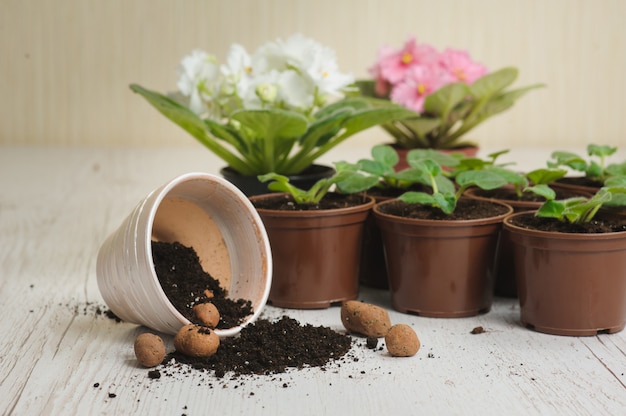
column 348, row 180
column 384, row 160
column 580, row 209
column 595, row 167
column 541, row 179
column 445, row 194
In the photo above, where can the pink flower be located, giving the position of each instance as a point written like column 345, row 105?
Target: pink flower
column 420, row 81
column 460, row 66
column 393, row 65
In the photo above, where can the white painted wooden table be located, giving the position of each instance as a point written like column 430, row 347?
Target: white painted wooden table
column 59, row 357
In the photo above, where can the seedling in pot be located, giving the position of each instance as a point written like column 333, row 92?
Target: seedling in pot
column 469, row 172
column 444, row 193
column 580, row 209
column 541, row 180
column 595, row 167
column 381, row 167
column 348, row 180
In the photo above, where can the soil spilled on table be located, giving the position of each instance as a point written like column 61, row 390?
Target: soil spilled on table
column 262, row 348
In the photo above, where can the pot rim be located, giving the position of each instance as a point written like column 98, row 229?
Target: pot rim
column 311, row 213
column 617, row 235
column 443, row 223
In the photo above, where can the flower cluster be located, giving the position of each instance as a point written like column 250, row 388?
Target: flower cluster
column 409, row 74
column 296, row 74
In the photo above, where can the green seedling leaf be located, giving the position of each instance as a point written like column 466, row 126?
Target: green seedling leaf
column 545, row 176
column 415, row 156
column 484, row 179
column 600, row 150
column 542, row 190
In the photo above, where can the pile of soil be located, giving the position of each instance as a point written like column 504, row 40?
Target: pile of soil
column 264, row 347
column 267, row 347
column 466, row 209
column 185, row 284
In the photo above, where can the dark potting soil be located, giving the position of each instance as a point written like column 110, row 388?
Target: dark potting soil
column 185, row 284
column 466, row 209
column 599, row 224
column 509, row 194
column 330, row 201
column 269, row 347
column 580, row 181
column 263, row 347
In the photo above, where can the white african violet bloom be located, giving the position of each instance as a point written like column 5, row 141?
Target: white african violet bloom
column 319, row 63
column 297, row 74
column 198, row 77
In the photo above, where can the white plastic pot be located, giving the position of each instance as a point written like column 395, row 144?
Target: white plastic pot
column 199, row 210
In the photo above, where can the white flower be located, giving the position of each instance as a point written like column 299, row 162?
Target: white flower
column 237, row 71
column 318, row 62
column 198, row 74
column 296, row 74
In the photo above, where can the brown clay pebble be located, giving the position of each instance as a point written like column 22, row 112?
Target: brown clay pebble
column 364, row 318
column 402, row 341
column 149, row 350
column 207, row 314
column 196, row 341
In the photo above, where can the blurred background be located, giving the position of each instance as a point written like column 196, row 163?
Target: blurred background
column 65, row 65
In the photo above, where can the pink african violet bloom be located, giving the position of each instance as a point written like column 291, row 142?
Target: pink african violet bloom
column 460, row 65
column 381, row 86
column 393, row 65
column 420, row 82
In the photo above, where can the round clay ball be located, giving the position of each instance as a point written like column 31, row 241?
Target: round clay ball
column 207, row 314
column 402, row 341
column 196, row 341
column 149, row 349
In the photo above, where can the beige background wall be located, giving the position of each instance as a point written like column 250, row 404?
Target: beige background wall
column 65, row 65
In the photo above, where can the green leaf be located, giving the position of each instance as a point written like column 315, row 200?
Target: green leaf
column 417, row 198
column 415, row 156
column 551, row 209
column 446, row 202
column 542, row 190
column 386, row 155
column 483, row 179
column 271, row 124
column 443, row 101
column 194, row 125
column 419, row 126
column 494, row 82
column 356, row 182
column 545, row 176
column 600, row 150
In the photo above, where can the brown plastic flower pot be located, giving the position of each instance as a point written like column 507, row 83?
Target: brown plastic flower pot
column 570, row 284
column 440, row 268
column 505, row 284
column 316, row 254
column 373, row 270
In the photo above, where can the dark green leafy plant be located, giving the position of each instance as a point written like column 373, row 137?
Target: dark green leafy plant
column 258, row 141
